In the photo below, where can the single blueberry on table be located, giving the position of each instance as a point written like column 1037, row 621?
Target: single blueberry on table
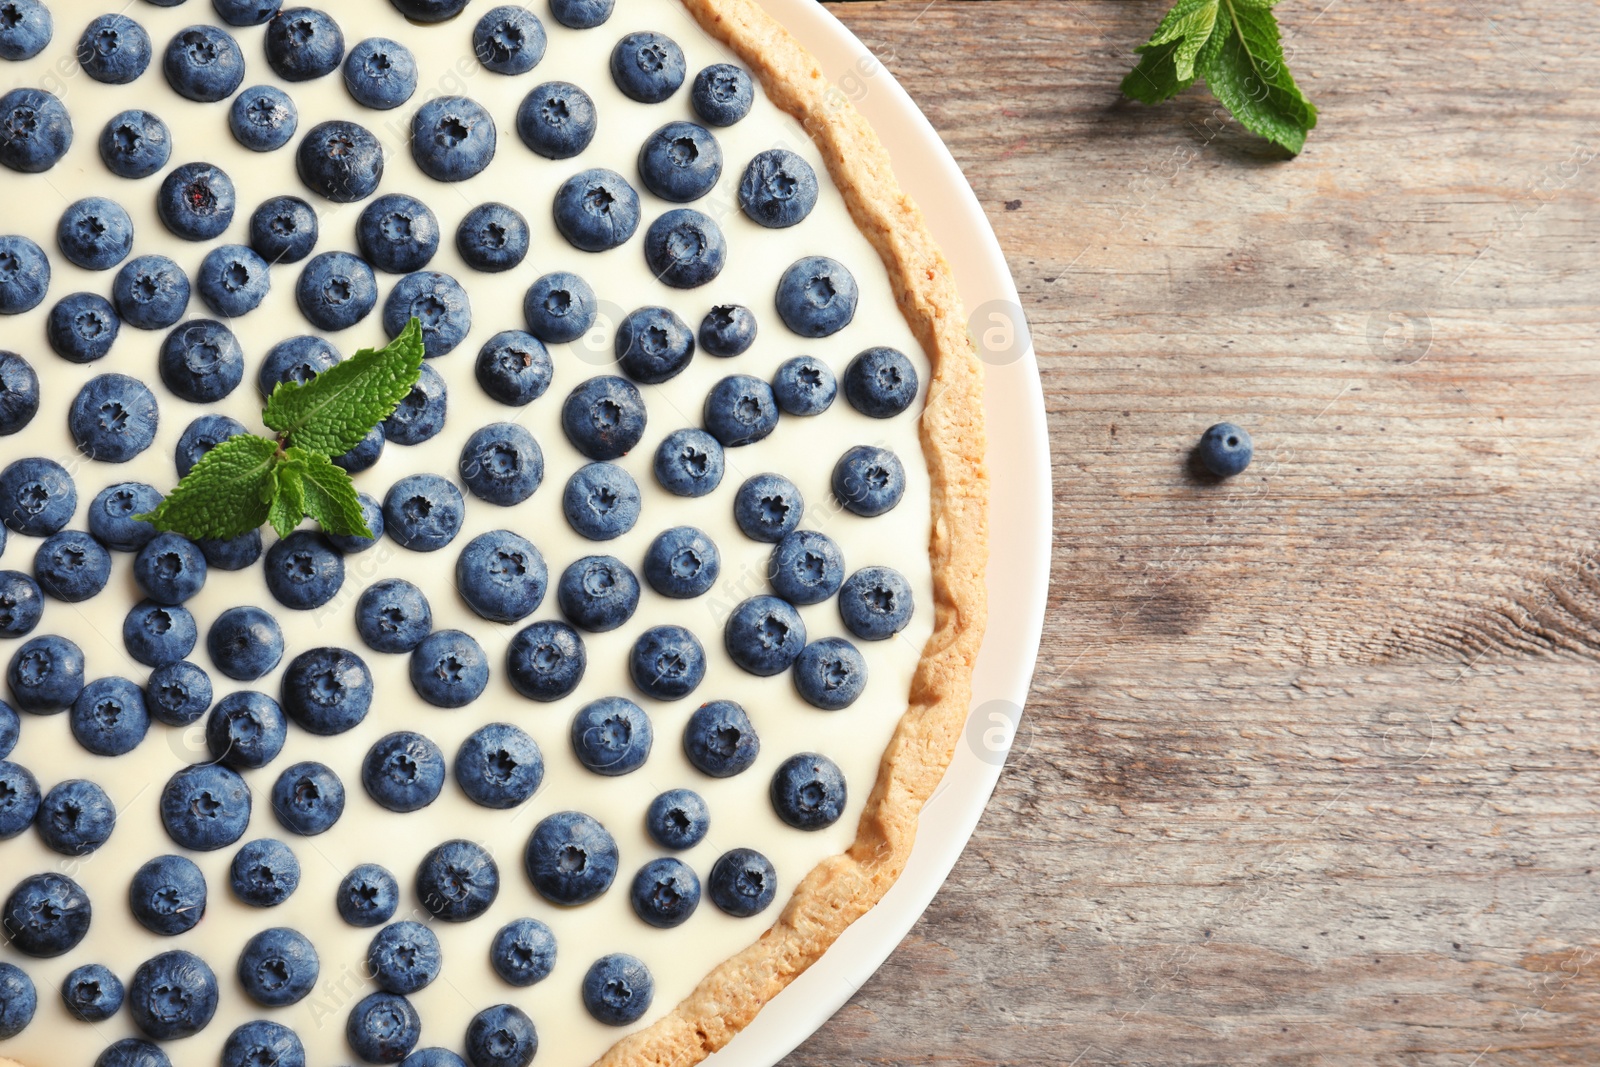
column 682, row 562
column 372, row 515
column 743, row 883
column 817, row 297
column 665, row 892
column 92, row 993
column 779, row 189
column 514, row 367
column 196, row 201
column 601, row 501
column 283, row 229
column 37, row 496
column 21, row 603
column 596, row 210
column 327, row 691
column 170, row 569
column 404, row 957
column 109, row 717
column 303, row 44
column 95, row 233
column 804, row 386
column 571, row 858
column 678, row 819
column 398, row 233
column 75, row 818
column 880, row 382
column 393, row 616
column 457, row 881
column 173, row 996
column 689, row 463
column 72, row 566
column 278, row 967
column 523, row 952
column 10, row 729
column 246, row 730
column 363, row 456
column 509, row 40
column 341, row 161
column 452, row 138
column 114, row 49
column 612, row 736
column 45, row 675
column 234, row 553
column 336, row 290
column 618, row 989
column 1225, row 450
column 201, row 361
column 201, row 436
column 246, row 12
column 493, row 238
column 806, row 567
column 204, row 64
column 19, row 394
column 429, row 10
column 667, row 662
column 35, row 130
column 604, row 417
column 24, row 33
column 764, row 635
column 258, row 1042
column 46, row 915
column 728, row 330
column 502, row 464
column 680, row 162
column 421, row 415
column 869, row 481
column 308, row 799
column 546, row 660
column 380, row 73
column 501, row 576
column 740, row 410
column 581, row 14
column 368, row 896
column 403, row 771
column 499, row 766
column 150, row 292
column 876, row 603
column 438, row 302
column 245, row 643
column 383, row 1028
column 768, row 507
column 19, row 799
column 111, row 515
column 132, row 1052
column 264, row 873
column 598, row 593
column 233, row 280
column 559, row 307
column 159, row 634
column 808, row 791
column 82, row 327
column 684, row 248
column 113, row 418
column 556, row 120
column 423, row 512
column 722, row 94
column 719, row 739
column 653, row 345
column 501, row 1036
column 168, row 895
column 647, row 66
column 24, row 275
column 135, row 144
column 177, row 693
column 304, row 571
column 449, row 669
column 263, row 118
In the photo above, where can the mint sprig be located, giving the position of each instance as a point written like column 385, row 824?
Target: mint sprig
column 249, row 479
column 1234, row 45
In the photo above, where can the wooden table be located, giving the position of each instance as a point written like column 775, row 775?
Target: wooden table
column 1310, row 771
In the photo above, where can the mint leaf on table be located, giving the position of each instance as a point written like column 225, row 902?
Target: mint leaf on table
column 332, row 412
column 229, row 492
column 330, row 495
column 1235, row 46
column 289, row 504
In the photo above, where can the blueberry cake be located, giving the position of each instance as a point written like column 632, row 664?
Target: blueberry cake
column 666, row 627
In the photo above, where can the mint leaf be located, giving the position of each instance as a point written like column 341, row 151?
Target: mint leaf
column 330, row 495
column 1166, row 66
column 289, row 501
column 227, row 493
column 332, row 413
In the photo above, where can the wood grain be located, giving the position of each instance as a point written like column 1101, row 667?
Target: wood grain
column 1310, row 771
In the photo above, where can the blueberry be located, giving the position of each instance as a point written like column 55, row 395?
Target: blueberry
column 233, row 280
column 393, row 616
column 203, row 63
column 264, row 873
column 246, row 730
column 571, row 858
column 380, row 73
column 611, row 736
column 869, row 481
column 678, row 819
column 647, row 66
column 95, row 233
column 728, row 330
column 423, row 512
column 743, row 882
column 10, row 729
column 18, row 1000
column 596, row 210
column 37, row 496
column 779, row 189
column 201, row 436
column 501, row 576
column 556, row 120
column 108, row 717
column 1225, row 450
column 308, row 799
column 719, row 739
column 340, row 160
column 328, row 690
column 336, row 290
column 689, row 463
column 368, row 896
column 653, row 345
column 806, row 567
column 493, row 238
column 420, row 416
column 581, row 14
column 499, row 766
column 449, row 669
column 740, row 410
column 299, row 359
column 457, row 881
column 35, row 130
column 523, row 952
column 682, row 562
column 196, row 201
column 398, row 233
column 429, row 10
column 722, row 94
column 76, row 818
column 263, row 118
column 546, row 660
column 150, row 292
column 245, row 643
column 764, row 635
column 509, row 40
column 278, row 967
column 72, row 566
column 875, row 603
column 82, row 327
column 404, row 957
column 601, row 501
column 618, row 989
column 46, row 915
column 665, row 893
column 804, row 386
column 808, row 791
column 19, row 799
column 92, row 993
column 514, row 368
column 45, row 675
column 680, row 162
column 598, row 593
column 135, row 144
column 167, row 896
column 501, row 1036
column 19, row 393
column 438, row 301
column 283, row 229
column 403, row 771
column 559, row 307
column 452, row 138
column 604, row 417
column 684, row 248
column 201, row 360
column 24, row 273
column 233, row 553
column 24, row 33
column 880, row 382
column 303, row 44
column 304, row 571
column 768, row 507
column 364, row 455
column 258, row 1041
column 246, row 12
column 113, row 418
column 157, row 634
column 817, row 297
column 177, row 693
column 667, row 662
column 383, row 1028
column 372, row 515
column 111, row 515
column 132, row 1052
column 170, row 569
column 502, row 464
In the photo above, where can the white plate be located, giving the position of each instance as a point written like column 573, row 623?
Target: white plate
column 1019, row 536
